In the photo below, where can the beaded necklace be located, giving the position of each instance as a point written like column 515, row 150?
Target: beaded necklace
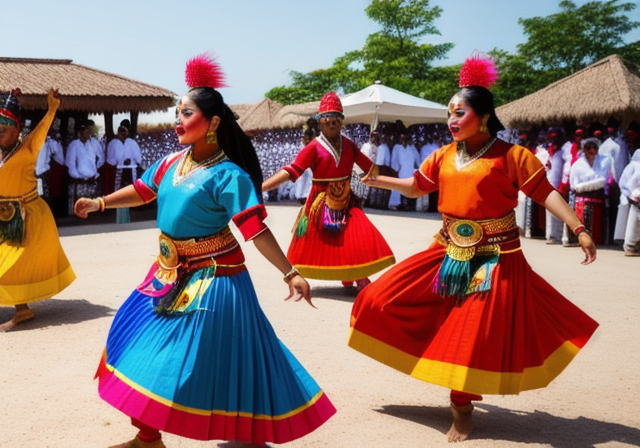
column 463, row 158
column 187, row 166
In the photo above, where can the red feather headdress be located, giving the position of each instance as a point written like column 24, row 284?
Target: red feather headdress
column 478, row 70
column 203, row 71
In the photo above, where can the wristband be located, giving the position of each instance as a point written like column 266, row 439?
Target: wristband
column 102, row 204
column 579, row 229
column 289, row 275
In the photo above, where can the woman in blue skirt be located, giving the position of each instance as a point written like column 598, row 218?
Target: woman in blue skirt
column 191, row 352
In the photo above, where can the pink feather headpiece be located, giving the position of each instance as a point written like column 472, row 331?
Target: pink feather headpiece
column 478, row 70
column 203, row 71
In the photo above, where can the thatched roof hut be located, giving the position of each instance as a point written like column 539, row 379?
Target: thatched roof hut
column 295, row 115
column 603, row 90
column 260, row 117
column 84, row 90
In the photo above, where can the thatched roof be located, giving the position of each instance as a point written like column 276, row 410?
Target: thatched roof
column 82, row 88
column 295, row 115
column 260, row 117
column 602, row 90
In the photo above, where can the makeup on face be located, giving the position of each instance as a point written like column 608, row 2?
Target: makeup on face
column 192, row 124
column 463, row 121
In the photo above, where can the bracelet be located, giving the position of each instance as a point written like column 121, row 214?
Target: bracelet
column 102, row 204
column 289, row 275
column 579, row 229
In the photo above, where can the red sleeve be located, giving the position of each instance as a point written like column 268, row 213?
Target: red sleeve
column 528, row 173
column 305, row 159
column 250, row 222
column 145, row 193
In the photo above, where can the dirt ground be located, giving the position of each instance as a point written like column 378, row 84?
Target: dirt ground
column 48, row 396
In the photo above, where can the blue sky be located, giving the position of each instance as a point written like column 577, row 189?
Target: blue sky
column 257, row 41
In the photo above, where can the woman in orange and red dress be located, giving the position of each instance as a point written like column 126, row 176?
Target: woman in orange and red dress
column 469, row 313
column 333, row 238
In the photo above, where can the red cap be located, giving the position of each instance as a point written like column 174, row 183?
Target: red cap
column 330, row 103
column 632, row 135
column 597, row 133
column 579, row 132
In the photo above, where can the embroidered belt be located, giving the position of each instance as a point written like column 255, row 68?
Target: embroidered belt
column 190, row 255
column 473, row 250
column 482, row 235
column 13, row 215
column 9, row 204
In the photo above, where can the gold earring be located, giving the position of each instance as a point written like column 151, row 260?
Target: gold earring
column 483, row 129
column 211, row 138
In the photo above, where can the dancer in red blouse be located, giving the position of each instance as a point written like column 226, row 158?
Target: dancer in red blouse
column 333, row 239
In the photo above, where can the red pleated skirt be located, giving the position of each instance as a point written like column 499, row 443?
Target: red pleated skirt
column 356, row 251
column 517, row 336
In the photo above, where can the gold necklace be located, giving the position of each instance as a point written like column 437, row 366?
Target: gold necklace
column 463, row 158
column 187, row 166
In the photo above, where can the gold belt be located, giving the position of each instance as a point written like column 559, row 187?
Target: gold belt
column 466, row 238
column 8, row 204
column 173, row 252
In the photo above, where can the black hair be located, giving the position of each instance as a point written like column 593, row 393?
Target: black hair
column 231, row 138
column 480, row 99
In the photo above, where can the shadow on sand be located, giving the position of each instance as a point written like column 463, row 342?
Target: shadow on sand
column 496, row 423
column 55, row 312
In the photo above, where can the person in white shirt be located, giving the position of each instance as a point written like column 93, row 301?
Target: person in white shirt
column 125, row 155
column 378, row 197
column 82, row 160
column 430, row 145
column 555, row 166
column 589, row 179
column 405, row 159
column 52, row 149
column 630, row 200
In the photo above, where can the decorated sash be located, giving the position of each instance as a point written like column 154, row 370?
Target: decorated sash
column 171, row 281
column 328, row 209
column 13, row 216
column 473, row 251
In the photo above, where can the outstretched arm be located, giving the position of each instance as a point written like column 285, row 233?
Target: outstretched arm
column 275, row 180
column 125, row 197
column 561, row 210
column 406, row 186
column 268, row 246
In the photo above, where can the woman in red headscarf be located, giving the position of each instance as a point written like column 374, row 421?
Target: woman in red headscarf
column 333, row 239
column 469, row 313
column 33, row 265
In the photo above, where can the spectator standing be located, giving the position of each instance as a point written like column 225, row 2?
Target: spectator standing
column 589, row 181
column 51, row 150
column 405, row 159
column 83, row 160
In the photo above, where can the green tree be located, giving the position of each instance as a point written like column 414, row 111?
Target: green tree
column 561, row 44
column 576, row 37
column 394, row 55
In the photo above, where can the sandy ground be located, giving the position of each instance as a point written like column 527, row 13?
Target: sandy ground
column 48, row 396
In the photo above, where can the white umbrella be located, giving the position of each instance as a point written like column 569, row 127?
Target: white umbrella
column 381, row 103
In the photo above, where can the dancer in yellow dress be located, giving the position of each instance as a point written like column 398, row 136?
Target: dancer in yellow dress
column 33, row 265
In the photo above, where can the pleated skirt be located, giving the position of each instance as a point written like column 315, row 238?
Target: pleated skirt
column 37, row 268
column 518, row 336
column 216, row 373
column 357, row 251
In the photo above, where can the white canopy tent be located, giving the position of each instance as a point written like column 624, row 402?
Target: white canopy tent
column 378, row 103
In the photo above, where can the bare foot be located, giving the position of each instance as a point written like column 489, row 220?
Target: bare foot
column 23, row 314
column 462, row 424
